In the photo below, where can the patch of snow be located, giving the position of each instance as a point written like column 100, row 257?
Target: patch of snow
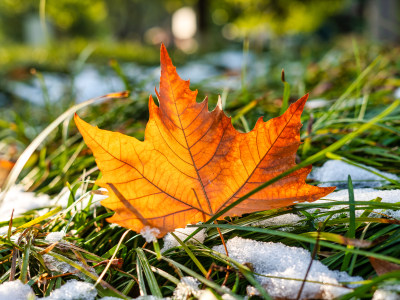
column 182, row 234
column 149, row 233
column 385, row 295
column 317, row 103
column 388, row 196
column 149, row 297
column 74, row 290
column 207, row 295
column 62, row 267
column 188, row 286
column 33, row 92
column 387, row 292
column 277, row 259
column 335, row 172
column 4, row 230
column 286, row 219
column 16, row 290
column 53, row 237
column 21, row 202
column 396, row 93
column 91, row 83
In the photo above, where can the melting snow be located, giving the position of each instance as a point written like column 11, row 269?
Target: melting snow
column 276, row 259
column 53, row 237
column 62, row 267
column 335, row 172
column 182, row 234
column 21, row 202
column 188, row 286
column 286, row 219
column 15, row 290
column 74, row 290
column 149, row 233
column 388, row 196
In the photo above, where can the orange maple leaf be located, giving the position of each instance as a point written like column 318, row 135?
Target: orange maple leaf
column 193, row 163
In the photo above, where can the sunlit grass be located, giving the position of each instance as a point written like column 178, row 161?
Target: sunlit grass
column 60, row 159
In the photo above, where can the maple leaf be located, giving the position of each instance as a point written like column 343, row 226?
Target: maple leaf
column 193, row 163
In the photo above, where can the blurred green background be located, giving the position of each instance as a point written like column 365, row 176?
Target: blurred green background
column 54, row 54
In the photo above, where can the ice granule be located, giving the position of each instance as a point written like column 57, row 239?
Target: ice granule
column 4, row 230
column 388, row 196
column 16, row 290
column 62, row 267
column 182, row 234
column 396, row 93
column 150, row 297
column 53, row 237
column 150, row 234
column 387, row 292
column 317, row 103
column 21, row 201
column 286, row 219
column 335, row 172
column 74, row 290
column 277, row 259
column 189, row 286
column 385, row 295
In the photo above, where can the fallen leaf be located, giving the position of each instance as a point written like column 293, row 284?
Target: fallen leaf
column 382, row 266
column 193, row 163
column 5, row 169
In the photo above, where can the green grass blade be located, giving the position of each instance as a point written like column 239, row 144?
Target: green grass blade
column 139, row 271
column 190, row 253
column 200, row 278
column 351, row 233
column 319, row 123
column 360, row 291
column 41, row 218
column 25, row 260
column 151, row 279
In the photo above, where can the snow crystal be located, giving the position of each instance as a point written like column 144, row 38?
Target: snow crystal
column 149, row 233
column 277, row 259
column 182, row 234
column 4, row 230
column 317, row 103
column 188, row 286
column 16, row 290
column 148, row 297
column 397, row 93
column 207, row 295
column 74, row 290
column 388, row 196
column 21, row 201
column 385, row 295
column 53, row 237
column 335, row 172
column 62, row 267
column 286, row 219
column 388, row 292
